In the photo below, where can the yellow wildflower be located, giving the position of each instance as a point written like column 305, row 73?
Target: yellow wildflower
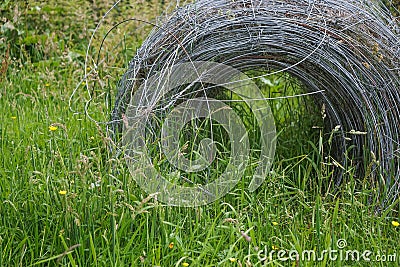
column 274, row 247
column 52, row 128
column 274, row 223
column 47, row 84
column 232, row 259
column 13, row 117
column 62, row 192
column 185, row 264
column 395, row 223
column 171, row 245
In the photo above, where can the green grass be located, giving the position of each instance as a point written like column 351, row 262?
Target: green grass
column 105, row 219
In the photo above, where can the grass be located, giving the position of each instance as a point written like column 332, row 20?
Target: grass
column 105, row 219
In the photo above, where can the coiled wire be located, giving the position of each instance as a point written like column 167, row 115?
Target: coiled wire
column 346, row 52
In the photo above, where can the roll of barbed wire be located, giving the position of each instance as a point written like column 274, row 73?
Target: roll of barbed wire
column 345, row 53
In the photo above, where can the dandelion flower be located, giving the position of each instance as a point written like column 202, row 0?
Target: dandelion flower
column 395, row 223
column 52, row 128
column 185, row 264
column 171, row 245
column 62, row 192
column 232, row 259
column 274, row 223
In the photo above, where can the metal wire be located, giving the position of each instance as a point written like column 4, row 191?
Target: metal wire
column 346, row 53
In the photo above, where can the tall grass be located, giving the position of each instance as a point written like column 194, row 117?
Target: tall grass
column 66, row 201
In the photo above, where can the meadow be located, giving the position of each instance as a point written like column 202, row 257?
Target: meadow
column 66, row 200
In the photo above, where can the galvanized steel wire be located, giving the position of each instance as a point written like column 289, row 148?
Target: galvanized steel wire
column 346, row 52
